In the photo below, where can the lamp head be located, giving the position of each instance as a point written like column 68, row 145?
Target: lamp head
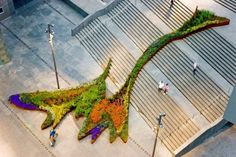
column 51, row 25
column 162, row 114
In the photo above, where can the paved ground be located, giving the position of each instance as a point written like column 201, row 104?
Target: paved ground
column 16, row 140
column 220, row 145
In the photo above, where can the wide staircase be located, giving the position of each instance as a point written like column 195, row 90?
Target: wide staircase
column 200, row 90
column 210, row 45
column 134, row 24
column 229, row 4
column 206, row 92
column 178, row 127
column 102, row 45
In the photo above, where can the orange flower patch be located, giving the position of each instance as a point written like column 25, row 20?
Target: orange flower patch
column 115, row 109
column 98, row 109
column 69, row 95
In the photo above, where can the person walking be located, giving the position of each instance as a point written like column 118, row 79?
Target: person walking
column 171, row 3
column 195, row 65
column 52, row 137
column 166, row 88
column 160, row 85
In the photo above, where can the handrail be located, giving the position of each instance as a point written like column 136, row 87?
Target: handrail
column 95, row 15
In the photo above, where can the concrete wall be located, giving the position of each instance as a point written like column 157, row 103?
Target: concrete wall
column 208, row 133
column 8, row 8
column 229, row 114
column 76, row 8
column 91, row 17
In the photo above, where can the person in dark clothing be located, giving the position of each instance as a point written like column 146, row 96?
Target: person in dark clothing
column 52, row 137
column 171, row 3
column 166, row 88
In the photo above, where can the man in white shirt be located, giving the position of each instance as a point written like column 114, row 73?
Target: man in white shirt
column 160, row 85
column 195, row 65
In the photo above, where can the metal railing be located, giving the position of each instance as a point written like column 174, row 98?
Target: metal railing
column 93, row 16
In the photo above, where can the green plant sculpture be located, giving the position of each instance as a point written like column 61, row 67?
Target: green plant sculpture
column 90, row 101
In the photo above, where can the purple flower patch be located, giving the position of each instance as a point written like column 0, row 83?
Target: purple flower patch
column 96, row 131
column 15, row 99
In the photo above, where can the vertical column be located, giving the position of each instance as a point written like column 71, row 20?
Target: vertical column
column 3, row 52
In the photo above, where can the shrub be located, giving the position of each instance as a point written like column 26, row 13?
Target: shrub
column 48, row 121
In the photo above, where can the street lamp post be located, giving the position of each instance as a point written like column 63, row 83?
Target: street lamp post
column 160, row 125
column 50, row 40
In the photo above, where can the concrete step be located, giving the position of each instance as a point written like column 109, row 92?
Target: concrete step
column 111, row 50
column 131, row 21
column 175, row 117
column 147, row 24
column 201, row 78
column 117, row 31
column 210, row 56
column 182, row 87
column 163, row 99
column 229, row 4
column 97, row 56
column 102, row 45
column 124, row 25
column 148, row 96
column 214, row 57
column 170, row 15
column 153, row 103
column 200, row 41
column 97, row 39
column 172, row 142
column 200, row 91
column 135, row 24
column 223, row 49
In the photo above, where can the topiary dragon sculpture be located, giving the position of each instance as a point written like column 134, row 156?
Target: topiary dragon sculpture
column 89, row 100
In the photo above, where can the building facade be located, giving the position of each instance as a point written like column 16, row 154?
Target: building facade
column 7, row 7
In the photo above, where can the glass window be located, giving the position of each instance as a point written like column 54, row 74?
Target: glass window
column 1, row 10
